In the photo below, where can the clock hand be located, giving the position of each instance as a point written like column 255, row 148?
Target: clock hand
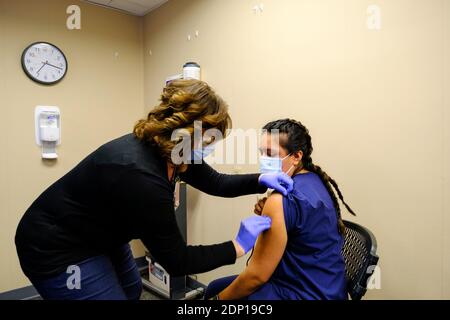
column 43, row 65
column 51, row 65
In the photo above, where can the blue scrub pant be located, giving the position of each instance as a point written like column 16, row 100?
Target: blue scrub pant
column 265, row 292
column 106, row 277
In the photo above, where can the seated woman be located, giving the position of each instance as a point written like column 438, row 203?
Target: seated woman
column 300, row 256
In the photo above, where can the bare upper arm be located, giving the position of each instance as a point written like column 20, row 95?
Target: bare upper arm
column 268, row 252
column 270, row 246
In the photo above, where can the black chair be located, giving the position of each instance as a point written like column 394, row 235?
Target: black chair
column 360, row 257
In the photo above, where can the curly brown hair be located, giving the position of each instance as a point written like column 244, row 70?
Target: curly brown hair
column 182, row 103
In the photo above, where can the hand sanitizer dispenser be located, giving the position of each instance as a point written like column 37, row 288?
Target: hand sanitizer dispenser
column 48, row 130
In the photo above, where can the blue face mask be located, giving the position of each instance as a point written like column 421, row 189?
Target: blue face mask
column 200, row 154
column 272, row 164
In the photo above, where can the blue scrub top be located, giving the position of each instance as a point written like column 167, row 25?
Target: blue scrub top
column 312, row 266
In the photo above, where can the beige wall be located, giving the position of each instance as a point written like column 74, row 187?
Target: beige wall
column 446, row 153
column 376, row 103
column 100, row 99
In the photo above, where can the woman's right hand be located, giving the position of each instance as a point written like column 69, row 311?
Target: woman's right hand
column 249, row 231
column 259, row 206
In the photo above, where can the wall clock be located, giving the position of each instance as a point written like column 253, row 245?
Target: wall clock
column 44, row 63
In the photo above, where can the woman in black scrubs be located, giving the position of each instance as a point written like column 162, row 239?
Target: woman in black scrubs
column 73, row 240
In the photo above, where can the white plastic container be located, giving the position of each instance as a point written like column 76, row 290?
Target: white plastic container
column 158, row 277
column 192, row 70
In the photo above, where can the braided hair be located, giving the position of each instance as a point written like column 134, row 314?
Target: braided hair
column 299, row 139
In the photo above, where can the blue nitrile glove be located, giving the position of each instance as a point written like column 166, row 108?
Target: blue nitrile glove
column 250, row 229
column 281, row 182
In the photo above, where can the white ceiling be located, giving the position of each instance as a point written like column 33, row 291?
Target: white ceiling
column 136, row 7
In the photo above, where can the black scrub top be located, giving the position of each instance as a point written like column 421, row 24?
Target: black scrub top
column 118, row 193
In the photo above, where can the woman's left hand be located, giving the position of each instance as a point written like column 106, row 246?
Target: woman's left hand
column 280, row 182
column 249, row 231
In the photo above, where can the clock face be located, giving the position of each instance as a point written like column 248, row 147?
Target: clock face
column 44, row 63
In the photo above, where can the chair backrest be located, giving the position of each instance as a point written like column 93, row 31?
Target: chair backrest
column 360, row 257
